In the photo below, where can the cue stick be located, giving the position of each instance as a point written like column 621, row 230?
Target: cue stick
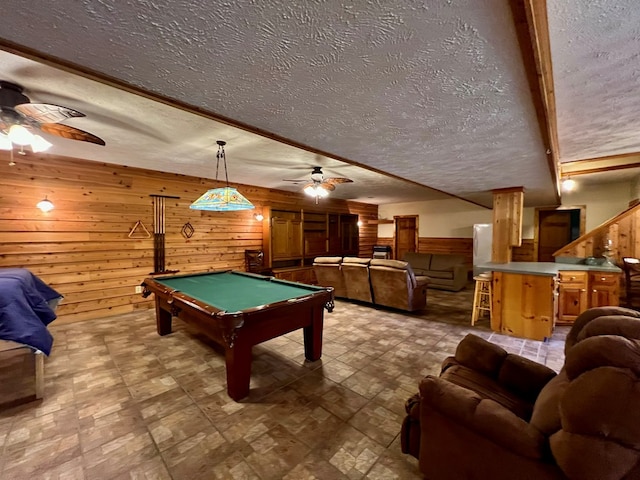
column 159, row 232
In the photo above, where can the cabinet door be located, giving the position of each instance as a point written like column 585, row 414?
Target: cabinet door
column 573, row 296
column 280, row 238
column 572, row 302
column 295, row 238
column 286, row 238
column 604, row 289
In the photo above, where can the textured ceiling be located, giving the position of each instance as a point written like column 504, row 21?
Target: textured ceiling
column 432, row 92
column 596, row 60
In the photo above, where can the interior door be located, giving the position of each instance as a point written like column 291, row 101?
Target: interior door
column 406, row 235
column 554, row 233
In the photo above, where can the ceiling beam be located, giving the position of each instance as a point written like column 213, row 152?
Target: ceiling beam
column 595, row 169
column 532, row 28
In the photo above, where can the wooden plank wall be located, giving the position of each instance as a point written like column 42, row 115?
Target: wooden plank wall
column 524, row 253
column 623, row 230
column 82, row 248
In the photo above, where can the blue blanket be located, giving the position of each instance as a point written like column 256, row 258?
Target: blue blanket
column 24, row 309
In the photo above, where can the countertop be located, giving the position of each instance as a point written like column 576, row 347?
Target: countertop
column 545, row 268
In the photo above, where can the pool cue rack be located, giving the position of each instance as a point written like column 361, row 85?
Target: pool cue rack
column 158, row 234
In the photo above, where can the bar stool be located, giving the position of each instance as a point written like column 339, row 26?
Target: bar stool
column 481, row 297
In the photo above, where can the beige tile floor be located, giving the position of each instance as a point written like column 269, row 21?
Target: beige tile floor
column 122, row 402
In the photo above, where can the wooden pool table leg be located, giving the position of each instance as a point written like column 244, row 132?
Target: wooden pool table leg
column 238, row 360
column 313, row 336
column 163, row 320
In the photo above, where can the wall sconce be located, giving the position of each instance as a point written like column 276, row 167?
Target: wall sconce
column 259, row 217
column 45, row 205
column 359, row 223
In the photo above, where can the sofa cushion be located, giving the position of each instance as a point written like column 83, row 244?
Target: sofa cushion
column 546, row 411
column 418, row 261
column 524, row 377
column 622, row 325
column 329, row 260
column 485, row 387
column 442, row 275
column 445, row 261
column 356, row 260
column 379, row 262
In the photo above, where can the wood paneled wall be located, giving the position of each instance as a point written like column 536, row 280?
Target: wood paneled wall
column 524, row 253
column 82, row 247
column 623, row 231
column 458, row 246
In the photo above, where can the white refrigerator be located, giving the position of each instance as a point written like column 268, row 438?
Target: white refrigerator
column 482, row 242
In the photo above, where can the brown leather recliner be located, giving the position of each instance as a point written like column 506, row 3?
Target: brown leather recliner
column 491, row 414
column 329, row 274
column 356, row 278
column 394, row 285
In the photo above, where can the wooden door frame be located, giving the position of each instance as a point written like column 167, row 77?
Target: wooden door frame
column 395, row 237
column 536, row 223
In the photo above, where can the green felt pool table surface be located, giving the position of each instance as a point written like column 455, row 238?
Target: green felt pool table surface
column 232, row 291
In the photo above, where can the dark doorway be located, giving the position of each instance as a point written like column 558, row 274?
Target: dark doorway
column 557, row 228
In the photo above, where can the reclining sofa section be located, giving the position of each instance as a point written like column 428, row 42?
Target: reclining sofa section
column 388, row 283
column 445, row 271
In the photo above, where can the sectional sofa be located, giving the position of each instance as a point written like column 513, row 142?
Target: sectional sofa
column 445, row 271
column 388, row 283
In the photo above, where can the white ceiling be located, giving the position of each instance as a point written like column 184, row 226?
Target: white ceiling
column 432, row 92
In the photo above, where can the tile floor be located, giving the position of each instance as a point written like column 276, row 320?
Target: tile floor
column 122, row 402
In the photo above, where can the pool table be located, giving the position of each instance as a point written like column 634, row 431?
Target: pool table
column 238, row 310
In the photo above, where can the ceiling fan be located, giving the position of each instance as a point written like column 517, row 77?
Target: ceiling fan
column 19, row 118
column 319, row 186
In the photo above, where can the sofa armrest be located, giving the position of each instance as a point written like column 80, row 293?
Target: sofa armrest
column 484, row 417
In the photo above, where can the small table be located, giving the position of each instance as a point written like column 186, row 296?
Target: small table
column 238, row 310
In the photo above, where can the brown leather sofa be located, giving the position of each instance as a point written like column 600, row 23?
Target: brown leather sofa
column 445, row 271
column 394, row 285
column 328, row 272
column 388, row 283
column 491, row 414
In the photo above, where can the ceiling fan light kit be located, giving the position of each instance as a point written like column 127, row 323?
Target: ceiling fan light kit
column 19, row 118
column 319, row 186
column 225, row 199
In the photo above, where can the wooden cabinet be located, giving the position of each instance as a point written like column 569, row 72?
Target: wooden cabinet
column 293, row 238
column 315, row 232
column 579, row 291
column 524, row 305
column 604, row 289
column 349, row 235
column 286, row 235
column 296, row 274
column 573, row 296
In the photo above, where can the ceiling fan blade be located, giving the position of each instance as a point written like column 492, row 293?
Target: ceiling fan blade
column 46, row 112
column 71, row 133
column 327, row 186
column 336, row 180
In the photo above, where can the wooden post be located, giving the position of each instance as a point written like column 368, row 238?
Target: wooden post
column 507, row 222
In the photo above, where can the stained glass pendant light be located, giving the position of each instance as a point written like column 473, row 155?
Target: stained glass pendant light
column 225, row 199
